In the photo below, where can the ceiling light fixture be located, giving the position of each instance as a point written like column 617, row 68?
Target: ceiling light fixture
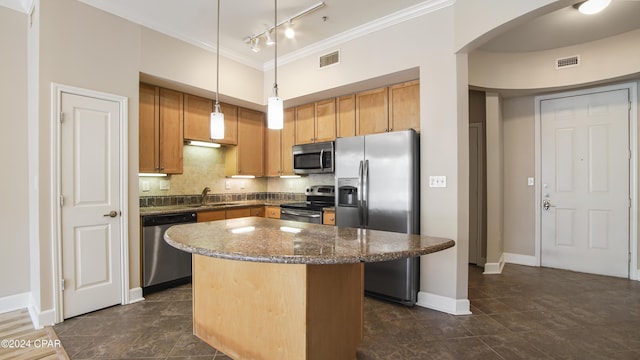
column 255, row 44
column 269, row 38
column 591, row 7
column 275, row 106
column 250, row 39
column 216, row 122
column 289, row 32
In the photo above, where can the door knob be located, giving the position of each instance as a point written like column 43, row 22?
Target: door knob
column 546, row 204
column 111, row 213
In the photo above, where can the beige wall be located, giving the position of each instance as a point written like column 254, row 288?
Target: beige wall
column 14, row 264
column 519, row 164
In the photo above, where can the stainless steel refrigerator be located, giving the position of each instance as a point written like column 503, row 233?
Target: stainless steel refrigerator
column 377, row 187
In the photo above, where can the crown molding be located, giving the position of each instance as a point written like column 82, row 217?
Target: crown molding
column 362, row 30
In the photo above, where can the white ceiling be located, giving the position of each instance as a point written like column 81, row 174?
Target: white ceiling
column 194, row 21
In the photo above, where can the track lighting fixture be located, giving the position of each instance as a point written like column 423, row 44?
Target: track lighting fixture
column 254, row 40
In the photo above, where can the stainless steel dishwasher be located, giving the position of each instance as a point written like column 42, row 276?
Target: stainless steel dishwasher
column 163, row 265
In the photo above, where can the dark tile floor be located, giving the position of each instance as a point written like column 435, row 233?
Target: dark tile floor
column 525, row 313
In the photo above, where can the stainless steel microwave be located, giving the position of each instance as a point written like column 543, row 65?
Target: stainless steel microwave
column 315, row 158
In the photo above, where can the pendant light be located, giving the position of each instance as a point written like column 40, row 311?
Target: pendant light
column 275, row 106
column 216, row 124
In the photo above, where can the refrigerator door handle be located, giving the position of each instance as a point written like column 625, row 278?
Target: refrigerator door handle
column 365, row 192
column 360, row 183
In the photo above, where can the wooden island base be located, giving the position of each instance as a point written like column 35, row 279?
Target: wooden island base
column 254, row 310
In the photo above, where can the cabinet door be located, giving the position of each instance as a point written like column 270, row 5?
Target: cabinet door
column 325, row 127
column 372, row 112
column 257, row 211
column 288, row 138
column 329, row 218
column 305, row 124
column 238, row 213
column 273, row 150
column 171, row 131
column 404, row 106
column 211, row 215
column 197, row 115
column 230, row 124
column 250, row 142
column 272, row 212
column 346, row 116
column 149, row 131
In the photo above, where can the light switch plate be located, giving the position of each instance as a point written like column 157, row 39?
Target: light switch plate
column 165, row 185
column 530, row 181
column 145, row 186
column 437, row 181
column 227, row 185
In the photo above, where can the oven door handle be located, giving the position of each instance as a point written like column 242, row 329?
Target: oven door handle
column 297, row 213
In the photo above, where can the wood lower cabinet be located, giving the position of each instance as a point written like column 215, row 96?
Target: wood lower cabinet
column 197, row 117
column 161, row 130
column 256, row 211
column 247, row 158
column 272, row 212
column 404, row 106
column 211, row 215
column 238, row 213
column 329, row 217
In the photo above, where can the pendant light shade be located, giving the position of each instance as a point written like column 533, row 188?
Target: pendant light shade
column 275, row 106
column 216, row 123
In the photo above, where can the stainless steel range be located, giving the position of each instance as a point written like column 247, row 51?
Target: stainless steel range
column 310, row 211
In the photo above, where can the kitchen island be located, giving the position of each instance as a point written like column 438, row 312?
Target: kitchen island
column 276, row 289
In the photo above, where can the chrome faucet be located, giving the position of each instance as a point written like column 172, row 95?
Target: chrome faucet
column 203, row 196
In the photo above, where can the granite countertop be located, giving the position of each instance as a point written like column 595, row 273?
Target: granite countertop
column 290, row 242
column 173, row 209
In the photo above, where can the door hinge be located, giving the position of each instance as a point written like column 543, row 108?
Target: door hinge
column 61, row 201
column 61, row 117
column 62, row 284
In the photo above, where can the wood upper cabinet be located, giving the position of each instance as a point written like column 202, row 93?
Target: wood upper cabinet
column 149, row 129
column 372, row 112
column 404, row 106
column 315, row 122
column 305, row 123
column 288, row 140
column 197, row 114
column 161, row 130
column 273, row 150
column 279, row 159
column 346, row 116
column 247, row 158
column 325, row 125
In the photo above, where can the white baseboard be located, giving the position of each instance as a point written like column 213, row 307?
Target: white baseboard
column 444, row 304
column 494, row 268
column 135, row 295
column 14, row 302
column 520, row 259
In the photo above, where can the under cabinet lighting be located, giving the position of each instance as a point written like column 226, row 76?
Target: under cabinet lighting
column 289, row 176
column 151, row 175
column 243, row 177
column 203, row 144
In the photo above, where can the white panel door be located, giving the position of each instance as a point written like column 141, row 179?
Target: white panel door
column 585, row 183
column 91, row 222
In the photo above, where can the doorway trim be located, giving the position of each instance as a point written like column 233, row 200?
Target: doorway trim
column 56, row 189
column 632, row 87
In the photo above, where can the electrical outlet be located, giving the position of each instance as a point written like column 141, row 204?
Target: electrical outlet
column 165, row 185
column 437, row 181
column 145, row 186
column 227, row 185
column 241, row 184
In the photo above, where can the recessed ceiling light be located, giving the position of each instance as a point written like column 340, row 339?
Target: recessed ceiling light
column 591, row 7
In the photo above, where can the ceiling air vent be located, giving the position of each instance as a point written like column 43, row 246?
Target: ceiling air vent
column 330, row 59
column 566, row 62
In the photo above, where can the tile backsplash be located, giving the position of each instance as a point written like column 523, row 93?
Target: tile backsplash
column 205, row 167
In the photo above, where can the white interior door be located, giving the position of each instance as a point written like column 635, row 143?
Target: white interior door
column 90, row 215
column 585, row 183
